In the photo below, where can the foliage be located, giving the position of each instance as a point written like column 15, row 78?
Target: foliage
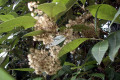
column 94, row 58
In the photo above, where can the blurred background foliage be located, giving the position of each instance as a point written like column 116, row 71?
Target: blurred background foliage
column 83, row 65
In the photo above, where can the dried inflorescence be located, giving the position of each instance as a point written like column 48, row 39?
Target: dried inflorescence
column 90, row 32
column 44, row 23
column 44, row 61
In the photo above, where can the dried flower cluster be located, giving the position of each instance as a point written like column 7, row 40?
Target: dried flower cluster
column 43, row 23
column 47, row 60
column 90, row 32
column 43, row 61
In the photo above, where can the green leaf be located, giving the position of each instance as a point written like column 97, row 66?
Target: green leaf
column 23, row 69
column 116, row 15
column 74, row 77
column 105, row 11
column 1, row 50
column 38, row 78
column 83, row 1
column 95, row 21
column 99, row 49
column 34, row 33
column 5, row 62
column 6, row 17
column 71, row 46
column 114, row 44
column 67, row 3
column 4, row 37
column 99, row 75
column 4, row 75
column 24, row 21
column 52, row 9
column 3, row 57
column 89, row 67
column 13, row 13
column 110, row 73
column 69, row 64
column 2, row 2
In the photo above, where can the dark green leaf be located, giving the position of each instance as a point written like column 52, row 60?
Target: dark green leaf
column 71, row 46
column 80, row 79
column 110, row 73
column 23, row 69
column 117, row 76
column 52, row 9
column 99, row 49
column 105, row 11
column 24, row 21
column 99, row 75
column 114, row 44
column 4, row 75
column 89, row 67
column 34, row 33
column 38, row 79
column 5, row 62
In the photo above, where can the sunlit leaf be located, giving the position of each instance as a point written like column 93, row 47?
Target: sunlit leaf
column 116, row 15
column 105, row 11
column 99, row 49
column 6, row 17
column 114, row 44
column 83, row 1
column 4, row 75
column 24, row 21
column 2, row 2
column 52, row 9
column 71, row 46
column 67, row 3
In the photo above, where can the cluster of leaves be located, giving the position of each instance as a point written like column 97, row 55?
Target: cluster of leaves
column 93, row 58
